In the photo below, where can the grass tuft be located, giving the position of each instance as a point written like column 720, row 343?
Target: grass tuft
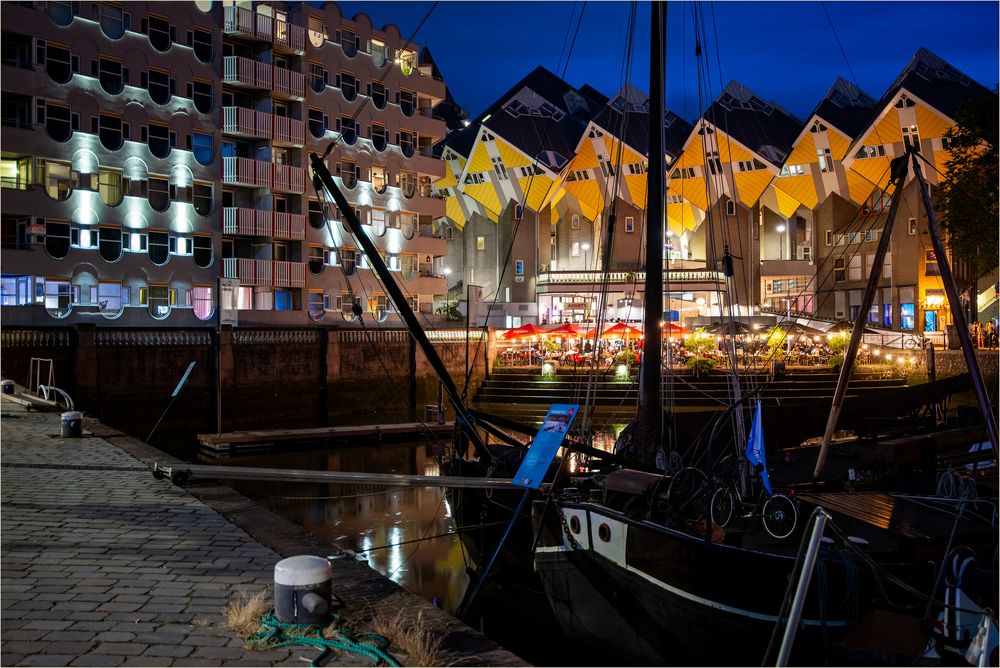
column 422, row 647
column 243, row 614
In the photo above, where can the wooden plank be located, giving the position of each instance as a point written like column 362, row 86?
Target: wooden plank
column 250, row 437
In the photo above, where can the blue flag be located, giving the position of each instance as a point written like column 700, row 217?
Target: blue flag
column 755, row 449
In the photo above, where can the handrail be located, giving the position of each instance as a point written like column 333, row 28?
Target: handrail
column 679, row 276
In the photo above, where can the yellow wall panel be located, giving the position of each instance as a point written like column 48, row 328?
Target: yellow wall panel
column 585, row 158
column 681, row 217
column 804, row 151
column 446, row 181
column 859, row 188
column 535, row 190
column 800, row 188
column 588, row 194
column 750, row 185
column 628, row 155
column 930, row 123
column 693, row 154
column 636, row 184
column 730, row 150
column 887, row 131
column 875, row 170
column 485, row 194
column 786, row 203
column 693, row 190
column 839, row 143
column 511, row 156
column 480, row 160
column 454, row 212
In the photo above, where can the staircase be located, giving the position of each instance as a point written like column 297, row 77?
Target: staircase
column 522, row 393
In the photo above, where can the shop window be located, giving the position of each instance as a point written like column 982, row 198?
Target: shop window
column 319, row 123
column 202, row 251
column 156, row 298
column 57, row 239
column 907, row 316
column 57, row 298
column 58, row 179
column 159, row 248
column 159, row 193
column 110, row 73
column 109, row 129
column 201, row 301
column 15, row 232
column 109, row 299
column 159, row 139
column 159, row 85
column 160, row 32
column 201, row 42
column 15, row 291
column 58, row 121
column 110, row 243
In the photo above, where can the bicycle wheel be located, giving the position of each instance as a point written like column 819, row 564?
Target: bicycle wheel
column 686, row 494
column 722, row 506
column 779, row 516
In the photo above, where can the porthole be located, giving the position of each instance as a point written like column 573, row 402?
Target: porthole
column 604, row 533
column 574, row 524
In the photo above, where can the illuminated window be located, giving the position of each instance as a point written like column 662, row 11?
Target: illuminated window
column 911, row 138
column 825, row 160
column 58, row 179
column 480, row 243
column 629, row 224
column 201, row 301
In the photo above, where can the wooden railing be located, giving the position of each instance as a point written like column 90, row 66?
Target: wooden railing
column 288, row 131
column 289, row 226
column 238, row 70
column 289, row 179
column 246, row 122
column 248, row 23
column 265, row 273
column 247, row 222
column 244, row 171
column 289, row 83
column 288, row 274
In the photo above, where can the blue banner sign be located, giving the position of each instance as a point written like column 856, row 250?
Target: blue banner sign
column 546, row 443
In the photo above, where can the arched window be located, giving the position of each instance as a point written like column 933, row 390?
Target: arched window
column 110, row 243
column 159, row 248
column 202, row 251
column 57, row 239
column 109, row 185
column 59, row 122
column 348, row 260
column 58, row 63
column 111, row 299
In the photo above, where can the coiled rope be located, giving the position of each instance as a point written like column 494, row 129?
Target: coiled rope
column 274, row 633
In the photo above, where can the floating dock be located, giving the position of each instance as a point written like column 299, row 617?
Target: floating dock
column 237, row 441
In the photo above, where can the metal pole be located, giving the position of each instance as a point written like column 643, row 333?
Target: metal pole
column 462, row 416
column 897, row 169
column 961, row 327
column 795, row 616
column 467, row 604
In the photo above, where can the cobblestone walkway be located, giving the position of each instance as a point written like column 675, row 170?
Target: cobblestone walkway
column 102, row 565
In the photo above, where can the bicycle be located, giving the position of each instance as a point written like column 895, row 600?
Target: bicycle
column 915, row 342
column 778, row 514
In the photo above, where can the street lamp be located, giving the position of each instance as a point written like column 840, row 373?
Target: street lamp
column 781, row 231
column 586, row 247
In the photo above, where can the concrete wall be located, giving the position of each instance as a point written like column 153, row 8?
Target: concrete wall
column 270, row 378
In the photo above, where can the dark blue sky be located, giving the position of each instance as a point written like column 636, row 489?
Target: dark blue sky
column 783, row 51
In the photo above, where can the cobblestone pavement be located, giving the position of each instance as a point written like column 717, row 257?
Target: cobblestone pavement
column 102, row 565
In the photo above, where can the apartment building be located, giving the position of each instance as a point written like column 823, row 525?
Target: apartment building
column 153, row 152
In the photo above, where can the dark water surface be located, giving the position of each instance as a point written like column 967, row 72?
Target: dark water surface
column 406, row 533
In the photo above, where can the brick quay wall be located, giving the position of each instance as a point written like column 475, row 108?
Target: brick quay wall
column 269, row 378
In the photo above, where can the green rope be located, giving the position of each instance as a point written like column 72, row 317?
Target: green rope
column 274, row 633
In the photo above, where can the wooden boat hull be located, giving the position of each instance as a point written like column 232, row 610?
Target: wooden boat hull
column 659, row 596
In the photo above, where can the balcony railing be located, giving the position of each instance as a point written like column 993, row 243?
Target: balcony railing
column 289, row 37
column 288, row 131
column 289, row 226
column 246, row 172
column 289, row 83
column 265, row 273
column 628, row 277
column 246, row 222
column 240, row 71
column 289, row 179
column 288, row 274
column 245, row 122
column 262, row 223
column 247, row 23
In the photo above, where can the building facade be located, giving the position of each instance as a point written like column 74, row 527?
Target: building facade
column 764, row 211
column 153, row 152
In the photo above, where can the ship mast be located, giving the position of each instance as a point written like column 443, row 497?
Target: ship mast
column 650, row 414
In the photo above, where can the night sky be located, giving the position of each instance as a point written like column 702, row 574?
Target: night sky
column 785, row 52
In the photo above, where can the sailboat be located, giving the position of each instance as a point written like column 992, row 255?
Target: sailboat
column 635, row 563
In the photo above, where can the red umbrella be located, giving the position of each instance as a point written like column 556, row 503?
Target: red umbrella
column 567, row 329
column 621, row 331
column 524, row 331
column 675, row 329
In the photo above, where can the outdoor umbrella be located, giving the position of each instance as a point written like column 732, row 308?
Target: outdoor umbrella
column 729, row 328
column 568, row 329
column 671, row 328
column 848, row 325
column 621, row 331
column 525, row 331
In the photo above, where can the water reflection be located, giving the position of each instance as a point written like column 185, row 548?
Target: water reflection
column 406, row 533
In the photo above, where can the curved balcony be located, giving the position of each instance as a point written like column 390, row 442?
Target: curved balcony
column 407, row 149
column 379, row 143
column 350, row 181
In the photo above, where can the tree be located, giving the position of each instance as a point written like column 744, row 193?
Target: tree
column 969, row 190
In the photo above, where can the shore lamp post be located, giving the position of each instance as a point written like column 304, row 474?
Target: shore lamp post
column 586, row 249
column 781, row 245
column 447, row 293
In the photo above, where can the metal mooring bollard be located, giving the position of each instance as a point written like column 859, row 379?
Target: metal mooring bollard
column 7, row 386
column 72, row 424
column 302, row 590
